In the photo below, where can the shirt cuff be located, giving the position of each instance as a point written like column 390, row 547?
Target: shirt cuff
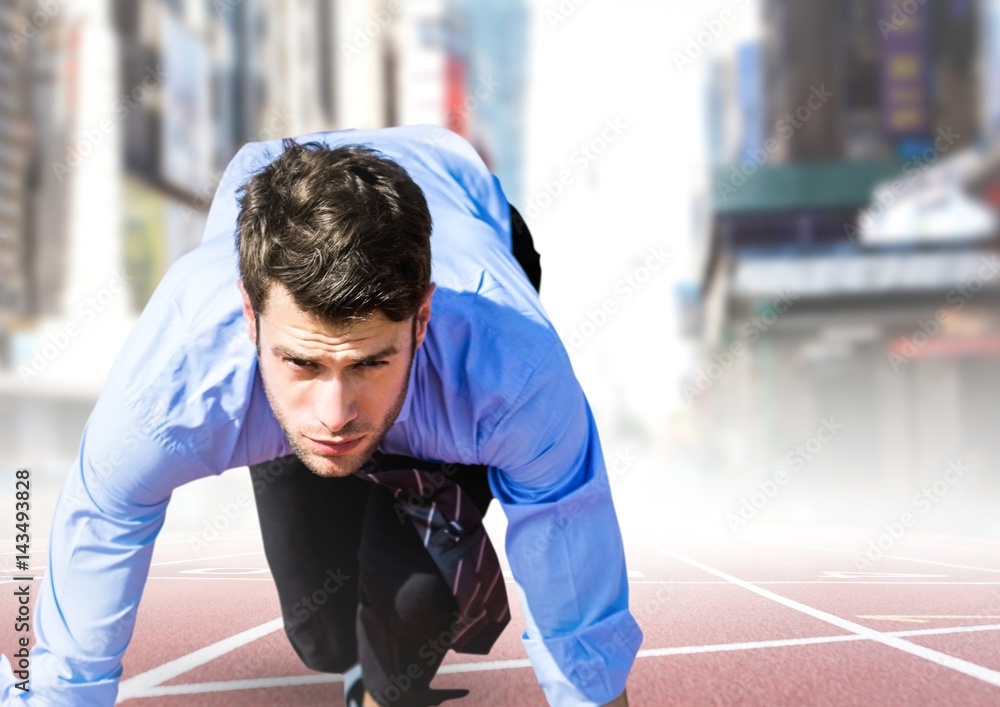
column 587, row 668
column 61, row 694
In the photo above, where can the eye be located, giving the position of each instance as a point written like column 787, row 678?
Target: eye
column 299, row 363
column 372, row 364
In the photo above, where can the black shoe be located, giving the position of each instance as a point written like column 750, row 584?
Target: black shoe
column 422, row 698
column 432, row 698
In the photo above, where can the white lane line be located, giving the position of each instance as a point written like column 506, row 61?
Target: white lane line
column 827, row 582
column 945, row 630
column 951, row 547
column 227, row 578
column 260, row 683
column 894, row 557
column 923, row 618
column 140, row 684
column 631, row 573
column 158, row 543
column 228, row 685
column 292, row 681
column 200, row 559
column 192, row 539
column 866, row 535
column 782, row 643
column 193, row 536
column 219, row 578
column 965, row 667
column 749, row 645
column 225, row 571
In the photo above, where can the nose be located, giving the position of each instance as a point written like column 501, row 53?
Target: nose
column 334, row 405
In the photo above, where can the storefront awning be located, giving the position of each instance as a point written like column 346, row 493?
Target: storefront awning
column 865, row 274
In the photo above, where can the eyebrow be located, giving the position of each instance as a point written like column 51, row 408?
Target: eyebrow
column 388, row 351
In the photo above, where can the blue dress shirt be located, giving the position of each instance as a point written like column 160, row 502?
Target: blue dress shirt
column 492, row 384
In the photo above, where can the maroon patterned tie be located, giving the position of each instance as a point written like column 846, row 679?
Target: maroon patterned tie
column 451, row 527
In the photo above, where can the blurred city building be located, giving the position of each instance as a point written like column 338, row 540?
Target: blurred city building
column 850, row 268
column 120, row 116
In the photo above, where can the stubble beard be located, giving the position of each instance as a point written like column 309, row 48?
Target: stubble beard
column 345, row 464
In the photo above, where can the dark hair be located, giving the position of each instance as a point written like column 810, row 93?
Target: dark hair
column 346, row 230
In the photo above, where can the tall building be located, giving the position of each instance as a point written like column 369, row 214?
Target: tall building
column 120, row 116
column 497, row 42
column 15, row 148
column 848, row 272
column 119, row 119
column 462, row 65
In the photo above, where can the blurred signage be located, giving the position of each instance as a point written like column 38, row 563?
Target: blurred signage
column 455, row 95
column 905, row 68
column 145, row 243
column 991, row 58
column 751, row 98
column 186, row 126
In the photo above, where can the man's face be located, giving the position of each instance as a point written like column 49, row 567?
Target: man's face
column 335, row 390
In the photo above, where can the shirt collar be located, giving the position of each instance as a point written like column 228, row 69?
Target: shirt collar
column 404, row 412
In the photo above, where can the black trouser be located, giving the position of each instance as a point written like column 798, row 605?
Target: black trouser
column 524, row 249
column 354, row 579
column 345, row 563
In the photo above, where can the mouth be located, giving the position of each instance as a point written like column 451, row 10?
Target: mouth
column 328, row 447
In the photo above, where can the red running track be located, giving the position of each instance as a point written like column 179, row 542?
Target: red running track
column 764, row 618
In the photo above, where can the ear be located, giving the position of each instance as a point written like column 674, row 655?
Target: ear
column 248, row 314
column 424, row 314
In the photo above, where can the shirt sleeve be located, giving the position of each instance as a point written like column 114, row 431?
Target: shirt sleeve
column 183, row 401
column 109, row 511
column 563, row 540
